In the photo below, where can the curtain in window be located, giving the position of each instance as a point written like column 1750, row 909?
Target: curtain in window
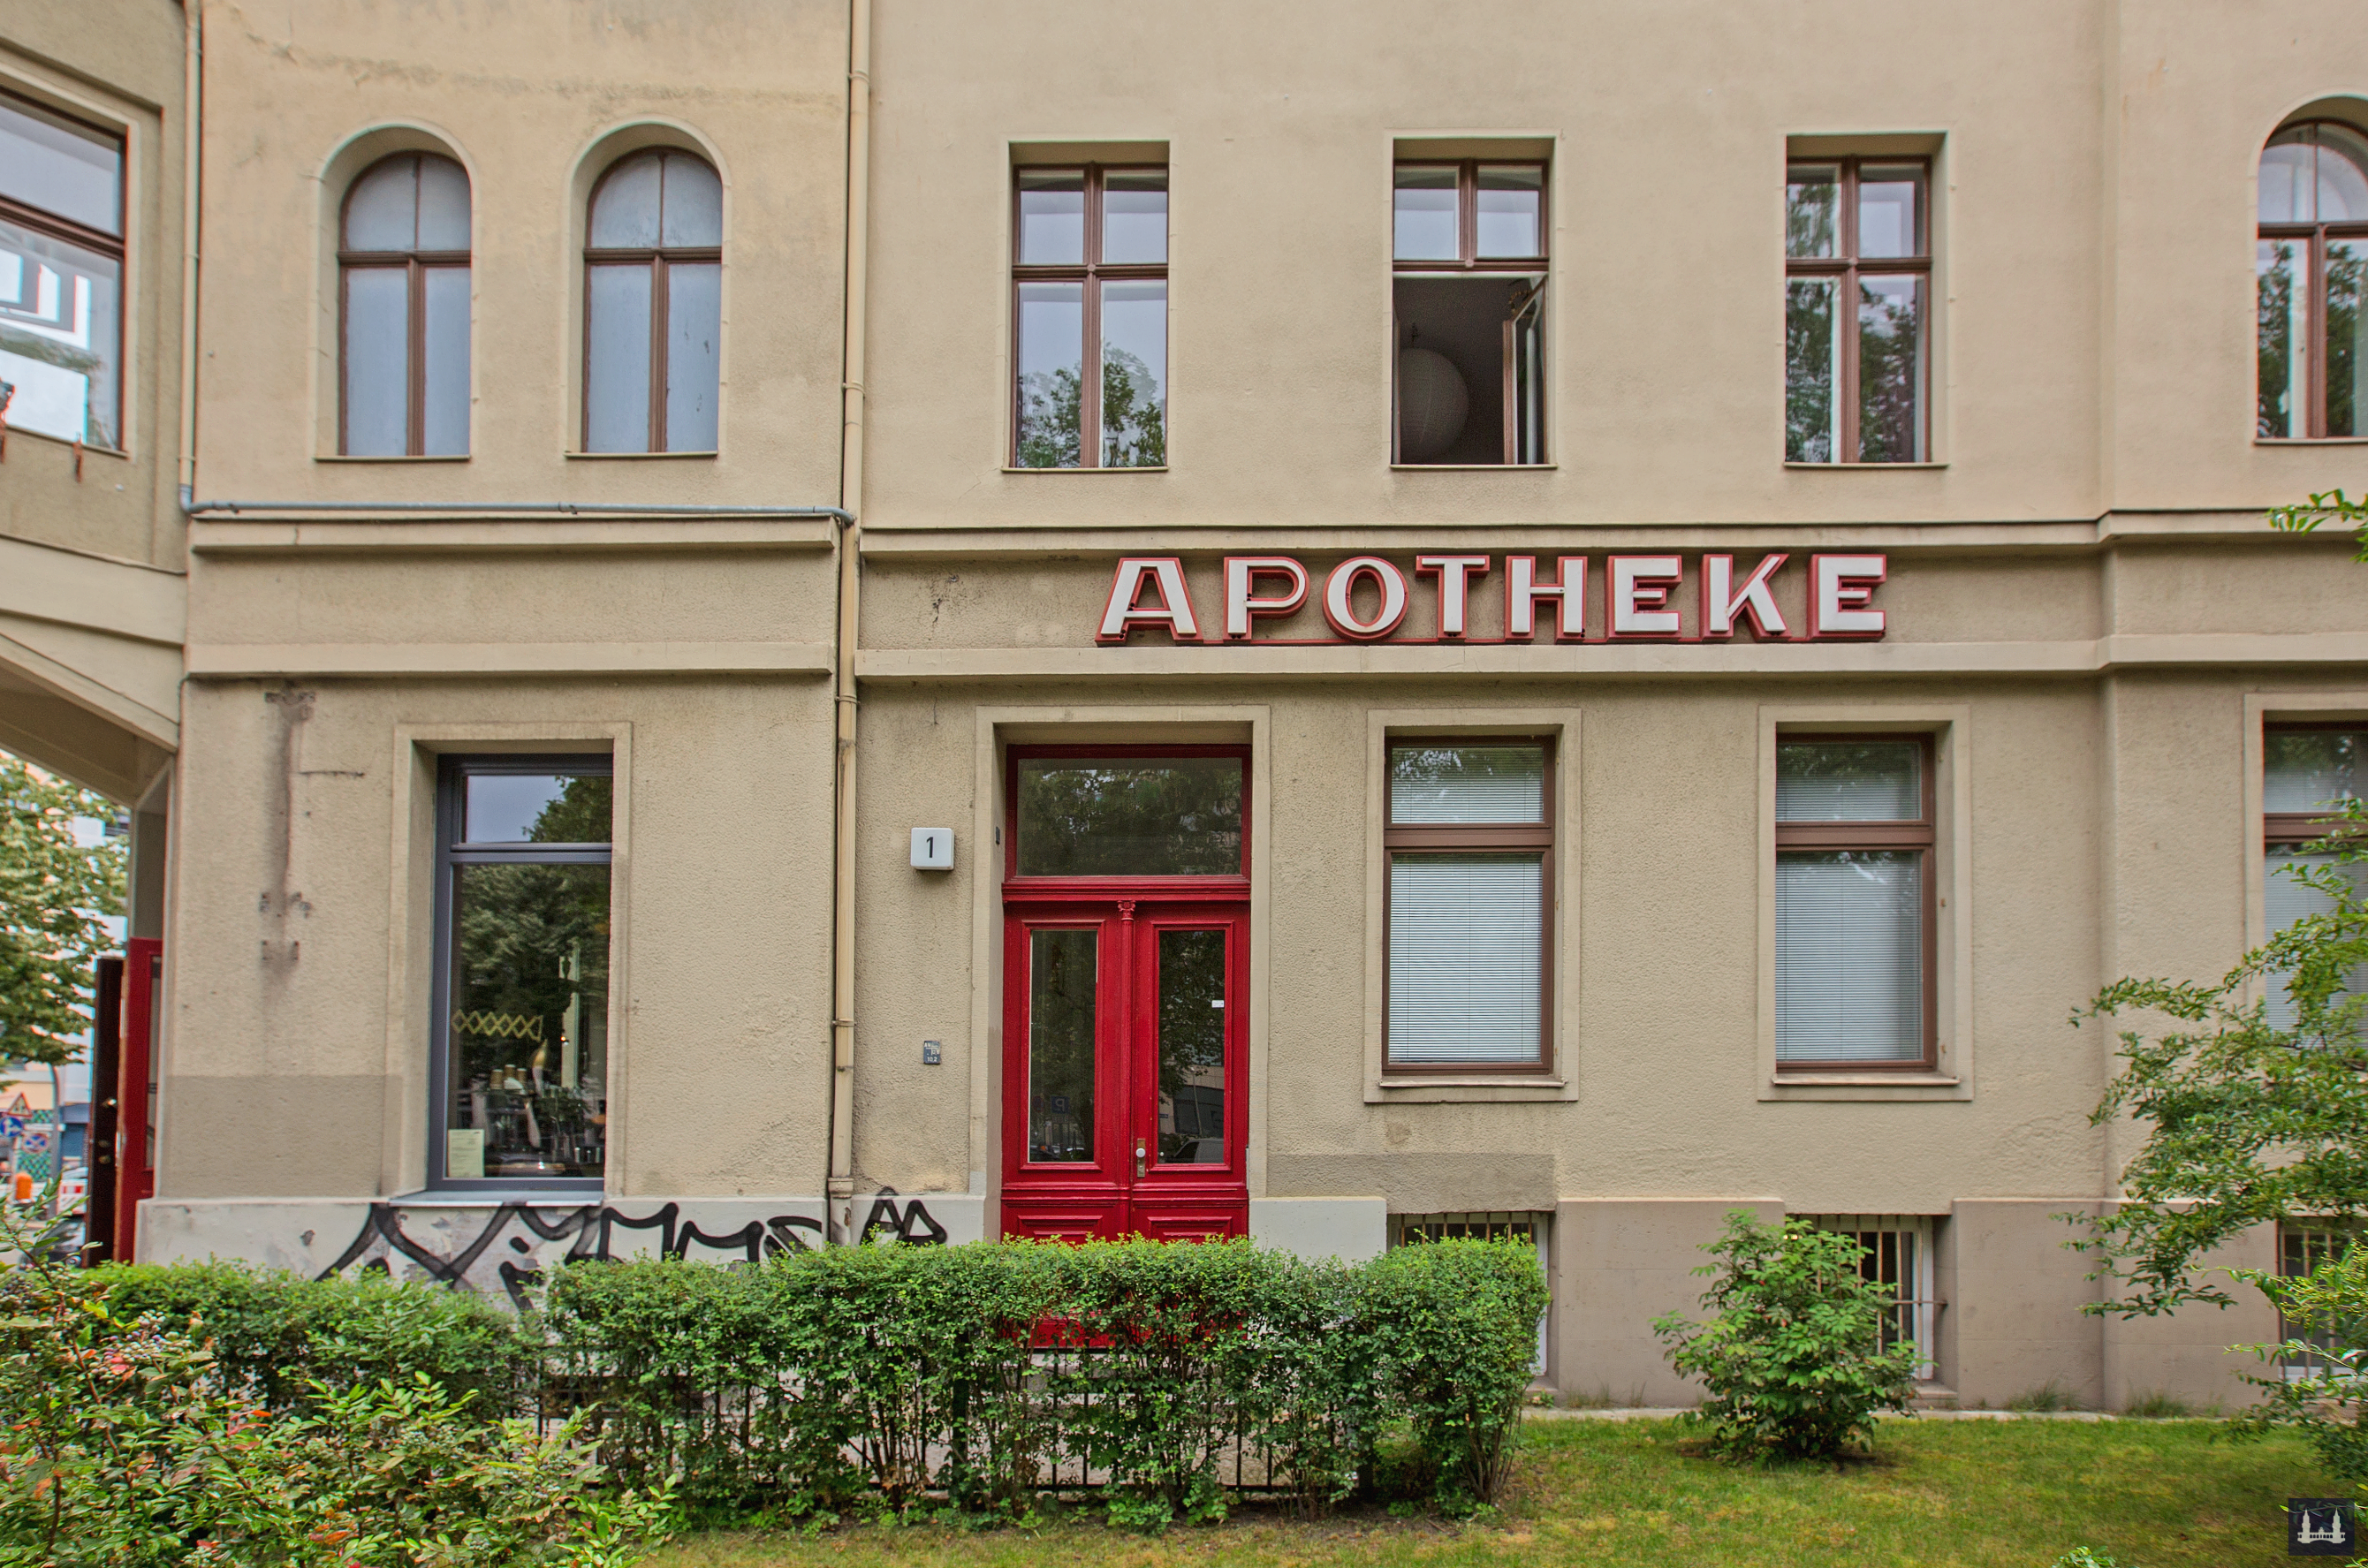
column 1466, row 939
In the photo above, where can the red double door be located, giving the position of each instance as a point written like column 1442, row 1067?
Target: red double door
column 1125, row 1057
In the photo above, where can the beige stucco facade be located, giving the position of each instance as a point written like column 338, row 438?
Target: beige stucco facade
column 2084, row 607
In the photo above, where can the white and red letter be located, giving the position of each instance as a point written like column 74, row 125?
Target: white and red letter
column 1722, row 602
column 1339, row 605
column 1123, row 613
column 1640, row 594
column 1840, row 589
column 1522, row 592
column 1242, row 573
column 1455, row 574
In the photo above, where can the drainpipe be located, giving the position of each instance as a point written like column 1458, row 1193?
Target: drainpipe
column 193, row 85
column 851, row 594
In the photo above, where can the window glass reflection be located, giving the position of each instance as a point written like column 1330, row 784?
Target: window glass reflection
column 537, row 807
column 1135, row 216
column 1813, row 209
column 1053, row 217
column 529, row 1027
column 1135, row 374
column 1191, row 1048
column 1062, row 987
column 1424, row 226
column 1891, row 368
column 1052, row 374
column 1888, row 223
column 1130, row 816
column 1508, row 199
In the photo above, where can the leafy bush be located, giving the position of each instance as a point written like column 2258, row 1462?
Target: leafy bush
column 1793, row 1359
column 1454, row 1329
column 822, row 1381
column 275, row 1335
column 125, row 1445
column 2330, row 1306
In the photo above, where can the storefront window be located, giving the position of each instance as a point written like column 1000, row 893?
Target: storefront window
column 523, row 1060
column 1854, row 843
column 1470, row 843
column 1128, row 816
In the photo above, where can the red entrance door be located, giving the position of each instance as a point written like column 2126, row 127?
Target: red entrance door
column 1125, row 1056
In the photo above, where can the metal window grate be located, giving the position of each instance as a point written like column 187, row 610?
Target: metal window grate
column 2301, row 1249
column 1898, row 1252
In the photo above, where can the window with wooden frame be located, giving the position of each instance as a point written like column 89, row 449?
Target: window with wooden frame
column 1858, row 276
column 403, row 268
column 653, row 305
column 1468, row 904
column 1090, row 266
column 1468, row 251
column 2308, row 771
column 2311, row 283
column 61, row 276
column 1855, row 921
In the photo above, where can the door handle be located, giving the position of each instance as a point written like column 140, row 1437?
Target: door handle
column 1140, row 1156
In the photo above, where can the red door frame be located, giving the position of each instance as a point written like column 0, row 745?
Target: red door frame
column 1106, row 1197
column 135, row 1092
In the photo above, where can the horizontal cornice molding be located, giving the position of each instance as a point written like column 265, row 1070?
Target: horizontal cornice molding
column 2084, row 656
column 265, row 661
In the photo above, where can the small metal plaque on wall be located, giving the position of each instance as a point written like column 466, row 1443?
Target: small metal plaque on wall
column 2321, row 1527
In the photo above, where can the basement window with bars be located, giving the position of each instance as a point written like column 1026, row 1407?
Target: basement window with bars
column 2302, row 1245
column 1897, row 1252
column 1483, row 1225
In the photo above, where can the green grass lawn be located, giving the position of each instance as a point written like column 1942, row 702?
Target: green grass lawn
column 1937, row 1495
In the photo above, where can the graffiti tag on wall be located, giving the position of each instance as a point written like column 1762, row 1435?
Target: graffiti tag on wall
column 514, row 1243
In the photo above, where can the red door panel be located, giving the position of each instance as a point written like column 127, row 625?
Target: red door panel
column 1125, row 1054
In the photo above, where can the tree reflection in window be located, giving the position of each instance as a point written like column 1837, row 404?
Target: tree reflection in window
column 1191, row 1048
column 1130, row 816
column 527, row 1029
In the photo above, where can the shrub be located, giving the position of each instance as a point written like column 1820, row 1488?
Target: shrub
column 1455, row 1328
column 2326, row 1312
column 126, row 1445
column 821, row 1382
column 275, row 1335
column 1793, row 1357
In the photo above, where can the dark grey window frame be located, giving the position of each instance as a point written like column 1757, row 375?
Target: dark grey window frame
column 453, row 852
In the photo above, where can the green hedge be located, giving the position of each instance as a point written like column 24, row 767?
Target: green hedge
column 275, row 1335
column 879, row 1375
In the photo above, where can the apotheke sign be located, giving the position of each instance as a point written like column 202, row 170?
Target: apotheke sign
column 1365, row 598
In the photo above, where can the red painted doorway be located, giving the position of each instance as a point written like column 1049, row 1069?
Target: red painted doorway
column 1126, row 979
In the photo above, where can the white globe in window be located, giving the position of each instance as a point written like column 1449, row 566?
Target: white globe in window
column 1432, row 403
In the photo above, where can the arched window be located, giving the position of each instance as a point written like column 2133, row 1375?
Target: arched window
column 652, row 305
column 2311, row 262
column 402, row 251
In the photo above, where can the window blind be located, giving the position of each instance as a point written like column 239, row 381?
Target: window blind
column 1466, row 934
column 1467, row 784
column 2285, row 901
column 1849, row 956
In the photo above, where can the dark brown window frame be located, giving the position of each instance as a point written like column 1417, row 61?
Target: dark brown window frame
column 2314, row 344
column 1923, row 835
column 659, row 257
column 1447, row 837
column 112, row 246
column 1469, row 262
column 1092, row 273
column 417, row 264
column 1849, row 267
